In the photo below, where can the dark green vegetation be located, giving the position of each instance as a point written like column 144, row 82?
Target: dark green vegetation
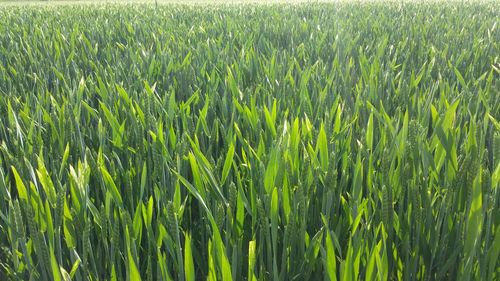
column 358, row 141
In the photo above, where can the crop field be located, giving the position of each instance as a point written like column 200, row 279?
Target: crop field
column 326, row 141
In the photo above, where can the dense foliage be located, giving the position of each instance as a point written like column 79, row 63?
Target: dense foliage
column 299, row 142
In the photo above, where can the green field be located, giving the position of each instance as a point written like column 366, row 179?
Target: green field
column 325, row 141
